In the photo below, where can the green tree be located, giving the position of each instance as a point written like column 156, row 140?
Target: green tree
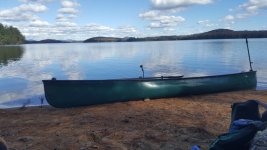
column 10, row 35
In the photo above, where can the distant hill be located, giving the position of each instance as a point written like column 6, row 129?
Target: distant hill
column 214, row 34
column 103, row 39
column 227, row 34
column 45, row 41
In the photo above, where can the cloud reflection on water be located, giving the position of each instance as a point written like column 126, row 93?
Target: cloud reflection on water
column 79, row 61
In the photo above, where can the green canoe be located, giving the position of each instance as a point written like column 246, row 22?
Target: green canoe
column 72, row 93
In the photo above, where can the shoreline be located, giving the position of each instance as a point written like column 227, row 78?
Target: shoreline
column 173, row 123
column 46, row 104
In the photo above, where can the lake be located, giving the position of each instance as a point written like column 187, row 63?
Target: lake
column 23, row 67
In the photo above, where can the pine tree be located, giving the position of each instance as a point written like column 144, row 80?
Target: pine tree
column 10, row 35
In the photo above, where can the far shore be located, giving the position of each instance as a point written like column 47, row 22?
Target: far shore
column 173, row 123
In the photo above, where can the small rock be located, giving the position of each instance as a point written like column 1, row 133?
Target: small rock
column 125, row 121
column 25, row 139
column 89, row 144
column 8, row 133
column 146, row 100
column 95, row 146
column 57, row 133
column 94, row 137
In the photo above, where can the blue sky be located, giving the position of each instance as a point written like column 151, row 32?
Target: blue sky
column 82, row 19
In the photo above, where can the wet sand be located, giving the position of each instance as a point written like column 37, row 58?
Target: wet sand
column 174, row 123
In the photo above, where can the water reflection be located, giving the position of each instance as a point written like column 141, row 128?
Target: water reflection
column 10, row 53
column 22, row 72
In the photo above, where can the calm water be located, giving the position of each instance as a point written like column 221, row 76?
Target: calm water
column 23, row 67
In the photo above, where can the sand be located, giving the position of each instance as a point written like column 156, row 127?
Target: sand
column 174, row 123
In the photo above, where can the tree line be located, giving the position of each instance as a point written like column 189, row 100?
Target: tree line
column 10, row 35
column 214, row 34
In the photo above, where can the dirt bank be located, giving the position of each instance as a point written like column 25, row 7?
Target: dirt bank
column 175, row 123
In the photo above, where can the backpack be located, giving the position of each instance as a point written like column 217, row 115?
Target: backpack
column 239, row 139
column 245, row 110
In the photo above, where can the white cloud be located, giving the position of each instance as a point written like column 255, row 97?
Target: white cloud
column 71, row 16
column 159, row 20
column 161, row 14
column 250, row 8
column 228, row 21
column 206, row 23
column 253, row 6
column 59, row 16
column 155, row 25
column 15, row 17
column 68, row 10
column 26, row 8
column 70, row 30
column 243, row 15
column 97, row 27
column 37, row 1
column 69, row 7
column 245, row 10
column 170, row 19
column 173, row 4
column 66, row 24
column 69, row 4
column 126, row 29
column 229, row 18
column 149, row 14
column 67, row 13
column 203, row 21
column 39, row 23
column 30, row 8
column 169, row 29
column 23, row 12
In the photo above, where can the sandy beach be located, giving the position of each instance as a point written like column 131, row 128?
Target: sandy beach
column 174, row 123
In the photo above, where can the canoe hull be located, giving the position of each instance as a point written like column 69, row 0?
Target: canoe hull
column 72, row 93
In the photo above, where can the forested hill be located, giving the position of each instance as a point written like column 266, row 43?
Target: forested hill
column 10, row 35
column 45, row 41
column 214, row 34
column 227, row 34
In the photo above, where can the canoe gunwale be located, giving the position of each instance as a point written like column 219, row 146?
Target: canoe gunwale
column 152, row 78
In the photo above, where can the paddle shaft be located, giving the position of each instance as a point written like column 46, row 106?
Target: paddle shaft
column 249, row 55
